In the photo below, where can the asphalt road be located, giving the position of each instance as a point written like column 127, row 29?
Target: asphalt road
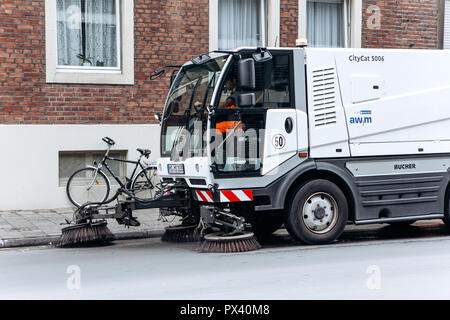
column 376, row 262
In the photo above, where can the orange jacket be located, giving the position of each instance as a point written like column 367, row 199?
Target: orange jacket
column 223, row 126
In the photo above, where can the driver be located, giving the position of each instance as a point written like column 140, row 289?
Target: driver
column 229, row 103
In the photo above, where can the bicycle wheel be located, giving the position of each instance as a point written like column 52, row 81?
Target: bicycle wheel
column 87, row 185
column 145, row 184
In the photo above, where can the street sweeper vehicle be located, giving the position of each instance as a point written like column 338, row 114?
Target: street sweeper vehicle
column 314, row 139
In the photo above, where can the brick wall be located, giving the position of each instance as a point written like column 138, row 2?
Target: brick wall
column 404, row 24
column 166, row 32
column 288, row 23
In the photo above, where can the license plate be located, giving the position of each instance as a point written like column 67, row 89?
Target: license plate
column 176, row 168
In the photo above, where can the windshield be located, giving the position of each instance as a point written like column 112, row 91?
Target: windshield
column 186, row 105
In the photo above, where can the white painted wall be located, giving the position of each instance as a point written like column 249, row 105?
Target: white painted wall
column 29, row 158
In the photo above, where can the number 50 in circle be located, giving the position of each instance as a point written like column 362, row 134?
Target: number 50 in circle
column 278, row 141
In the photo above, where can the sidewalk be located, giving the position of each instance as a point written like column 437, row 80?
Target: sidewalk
column 42, row 227
column 22, row 228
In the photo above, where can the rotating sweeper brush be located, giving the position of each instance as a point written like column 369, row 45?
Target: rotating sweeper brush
column 85, row 230
column 181, row 233
column 89, row 233
column 225, row 243
column 236, row 239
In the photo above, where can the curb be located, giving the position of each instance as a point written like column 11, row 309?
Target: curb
column 52, row 240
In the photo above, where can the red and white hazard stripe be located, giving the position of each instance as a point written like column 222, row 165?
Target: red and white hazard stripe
column 236, row 195
column 205, row 196
column 225, row 195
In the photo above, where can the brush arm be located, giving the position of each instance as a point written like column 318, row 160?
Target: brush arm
column 211, row 216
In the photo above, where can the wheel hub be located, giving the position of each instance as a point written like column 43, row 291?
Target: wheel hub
column 320, row 213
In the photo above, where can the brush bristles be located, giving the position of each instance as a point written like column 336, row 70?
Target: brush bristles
column 181, row 234
column 84, row 234
column 229, row 245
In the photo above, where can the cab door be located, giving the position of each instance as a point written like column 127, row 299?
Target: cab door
column 263, row 134
column 280, row 138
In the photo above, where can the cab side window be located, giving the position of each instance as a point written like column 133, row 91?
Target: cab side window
column 273, row 79
column 273, row 84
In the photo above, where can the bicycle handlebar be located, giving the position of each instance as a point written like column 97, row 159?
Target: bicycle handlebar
column 109, row 141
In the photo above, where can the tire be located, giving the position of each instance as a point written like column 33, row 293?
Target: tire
column 446, row 218
column 267, row 223
column 80, row 180
column 318, row 213
column 145, row 183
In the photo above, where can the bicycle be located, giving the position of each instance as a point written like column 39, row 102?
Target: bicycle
column 92, row 185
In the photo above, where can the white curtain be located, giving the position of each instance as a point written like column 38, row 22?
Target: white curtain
column 325, row 24
column 96, row 46
column 239, row 23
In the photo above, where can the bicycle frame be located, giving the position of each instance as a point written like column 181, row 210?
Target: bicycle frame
column 128, row 183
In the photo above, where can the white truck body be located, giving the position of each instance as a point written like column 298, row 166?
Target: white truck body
column 386, row 102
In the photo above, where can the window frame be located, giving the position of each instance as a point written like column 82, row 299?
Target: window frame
column 123, row 74
column 446, row 25
column 271, row 32
column 118, row 69
column 345, row 16
column 353, row 30
column 88, row 157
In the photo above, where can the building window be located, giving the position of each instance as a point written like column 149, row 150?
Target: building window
column 71, row 161
column 447, row 25
column 331, row 23
column 242, row 23
column 327, row 23
column 90, row 41
column 88, row 34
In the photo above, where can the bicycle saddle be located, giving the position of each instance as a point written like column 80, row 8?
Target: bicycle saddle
column 144, row 152
column 109, row 141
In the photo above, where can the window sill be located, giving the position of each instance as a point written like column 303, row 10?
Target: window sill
column 90, row 77
column 123, row 77
column 88, row 70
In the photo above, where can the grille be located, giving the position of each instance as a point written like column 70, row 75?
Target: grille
column 324, row 96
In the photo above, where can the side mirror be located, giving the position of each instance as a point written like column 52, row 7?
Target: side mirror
column 157, row 74
column 246, row 74
column 246, row 100
column 158, row 116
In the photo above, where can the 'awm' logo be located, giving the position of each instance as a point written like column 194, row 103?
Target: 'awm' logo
column 363, row 118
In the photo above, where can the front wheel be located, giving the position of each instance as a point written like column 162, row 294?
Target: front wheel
column 87, row 185
column 145, row 184
column 446, row 219
column 318, row 213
